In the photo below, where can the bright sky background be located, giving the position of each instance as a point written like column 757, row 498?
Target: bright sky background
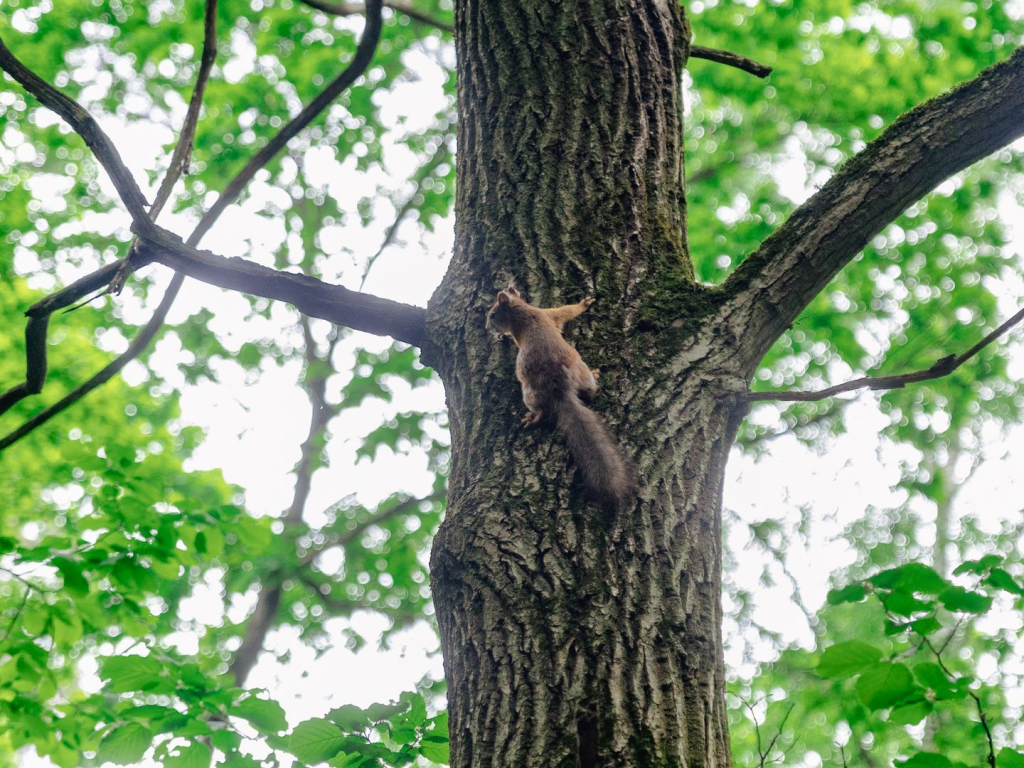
column 255, row 427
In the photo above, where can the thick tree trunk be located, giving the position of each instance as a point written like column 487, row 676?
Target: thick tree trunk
column 573, row 636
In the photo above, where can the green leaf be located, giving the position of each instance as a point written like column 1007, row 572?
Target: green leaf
column 377, row 712
column 315, row 741
column 847, row 659
column 1010, row 758
column 74, row 581
column 1001, row 579
column 853, row 593
column 912, row 577
column 127, row 674
column 435, row 749
column 349, row 718
column 885, row 685
column 961, row 600
column 417, row 708
column 978, row 566
column 903, row 603
column 124, row 745
column 266, row 716
column 926, row 626
column 911, row 714
column 196, row 755
column 925, row 760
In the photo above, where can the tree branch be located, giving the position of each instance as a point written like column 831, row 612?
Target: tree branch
column 943, row 367
column 269, row 600
column 113, row 274
column 916, row 153
column 84, row 125
column 308, row 295
column 729, row 59
column 405, row 8
column 36, row 360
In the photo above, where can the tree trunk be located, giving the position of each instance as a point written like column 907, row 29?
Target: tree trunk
column 574, row 636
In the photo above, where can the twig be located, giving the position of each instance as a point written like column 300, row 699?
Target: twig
column 424, row 173
column 405, row 8
column 380, row 516
column 182, row 156
column 17, row 615
column 991, row 758
column 728, row 58
column 941, row 368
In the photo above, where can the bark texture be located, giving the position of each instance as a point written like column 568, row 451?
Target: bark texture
column 572, row 636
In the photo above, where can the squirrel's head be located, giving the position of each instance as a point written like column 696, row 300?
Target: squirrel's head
column 499, row 317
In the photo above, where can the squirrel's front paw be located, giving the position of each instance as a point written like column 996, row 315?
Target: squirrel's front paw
column 587, row 301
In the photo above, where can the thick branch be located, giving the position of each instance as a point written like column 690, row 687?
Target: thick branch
column 730, row 59
column 943, row 367
column 310, row 296
column 915, row 154
column 405, row 8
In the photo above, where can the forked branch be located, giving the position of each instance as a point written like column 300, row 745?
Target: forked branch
column 941, row 368
column 39, row 314
column 380, row 312
column 915, row 154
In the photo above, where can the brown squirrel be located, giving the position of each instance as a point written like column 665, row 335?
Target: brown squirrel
column 553, row 377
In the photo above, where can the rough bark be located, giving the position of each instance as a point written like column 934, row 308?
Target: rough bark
column 573, row 636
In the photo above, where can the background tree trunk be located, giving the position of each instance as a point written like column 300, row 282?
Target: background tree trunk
column 572, row 636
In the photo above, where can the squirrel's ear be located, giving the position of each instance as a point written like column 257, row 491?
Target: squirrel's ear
column 512, row 291
column 502, row 297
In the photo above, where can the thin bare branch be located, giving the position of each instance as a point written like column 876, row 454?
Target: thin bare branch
column 425, row 172
column 405, row 8
column 729, row 59
column 941, row 368
column 915, row 154
column 355, row 69
column 139, row 343
column 380, row 516
column 182, row 156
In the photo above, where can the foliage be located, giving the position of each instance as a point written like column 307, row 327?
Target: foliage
column 910, row 665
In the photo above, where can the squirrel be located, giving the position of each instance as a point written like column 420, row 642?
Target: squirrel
column 554, row 377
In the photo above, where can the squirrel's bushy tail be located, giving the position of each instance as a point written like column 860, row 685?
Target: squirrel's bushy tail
column 607, row 473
